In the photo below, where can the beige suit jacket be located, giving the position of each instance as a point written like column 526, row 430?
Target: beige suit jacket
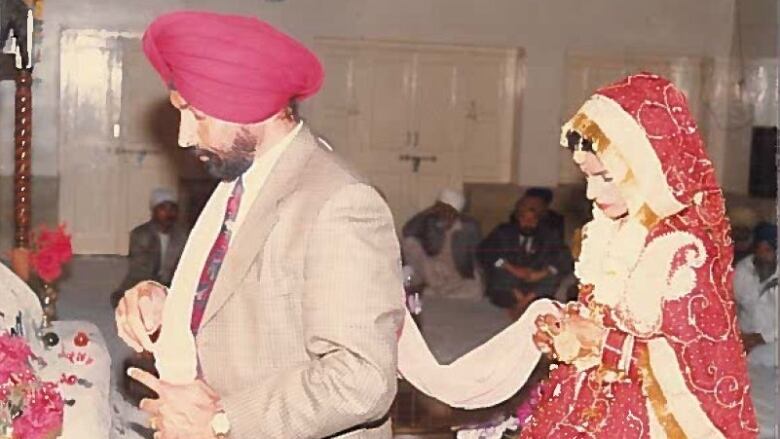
column 299, row 335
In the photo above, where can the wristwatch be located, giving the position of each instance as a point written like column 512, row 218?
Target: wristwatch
column 220, row 425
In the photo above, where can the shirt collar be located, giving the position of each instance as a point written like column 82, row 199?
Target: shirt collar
column 261, row 164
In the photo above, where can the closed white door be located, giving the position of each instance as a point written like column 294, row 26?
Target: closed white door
column 400, row 112
column 434, row 158
column 148, row 152
column 336, row 109
column 486, row 113
column 90, row 100
column 118, row 139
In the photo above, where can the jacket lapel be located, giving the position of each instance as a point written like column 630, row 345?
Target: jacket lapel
column 248, row 244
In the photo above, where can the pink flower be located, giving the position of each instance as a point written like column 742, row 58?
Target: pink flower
column 53, row 249
column 57, row 241
column 47, row 265
column 42, row 414
column 14, row 359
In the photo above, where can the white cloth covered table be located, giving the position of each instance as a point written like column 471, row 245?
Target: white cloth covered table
column 90, row 416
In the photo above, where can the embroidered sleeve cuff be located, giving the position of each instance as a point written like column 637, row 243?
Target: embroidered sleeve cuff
column 612, row 349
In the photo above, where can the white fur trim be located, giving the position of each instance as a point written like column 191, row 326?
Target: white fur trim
column 654, row 280
column 625, row 356
column 679, row 399
column 626, row 134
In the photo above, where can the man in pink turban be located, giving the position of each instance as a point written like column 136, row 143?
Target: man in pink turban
column 281, row 318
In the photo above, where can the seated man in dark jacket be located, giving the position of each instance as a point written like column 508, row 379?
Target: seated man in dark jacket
column 549, row 218
column 522, row 259
column 156, row 245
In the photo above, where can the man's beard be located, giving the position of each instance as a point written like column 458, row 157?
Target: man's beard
column 230, row 165
column 226, row 168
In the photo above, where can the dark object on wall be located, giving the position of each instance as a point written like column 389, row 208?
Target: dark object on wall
column 763, row 163
column 13, row 16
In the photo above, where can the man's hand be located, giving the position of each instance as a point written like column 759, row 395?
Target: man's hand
column 181, row 411
column 534, row 276
column 517, row 271
column 139, row 314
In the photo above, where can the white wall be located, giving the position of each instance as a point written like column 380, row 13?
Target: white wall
column 755, row 61
column 545, row 29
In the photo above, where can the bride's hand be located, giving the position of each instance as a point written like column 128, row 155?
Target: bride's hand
column 589, row 333
column 547, row 327
column 570, row 336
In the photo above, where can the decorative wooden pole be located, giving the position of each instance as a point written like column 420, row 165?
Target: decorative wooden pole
column 22, row 156
column 17, row 16
column 22, row 173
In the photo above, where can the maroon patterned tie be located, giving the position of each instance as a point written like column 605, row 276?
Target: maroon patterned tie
column 217, row 254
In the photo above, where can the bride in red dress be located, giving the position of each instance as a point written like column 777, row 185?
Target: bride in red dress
column 652, row 349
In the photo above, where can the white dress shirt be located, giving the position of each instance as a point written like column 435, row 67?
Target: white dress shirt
column 757, row 309
column 175, row 353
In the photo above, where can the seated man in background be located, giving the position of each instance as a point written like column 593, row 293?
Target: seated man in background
column 550, row 219
column 755, row 290
column 155, row 246
column 754, row 277
column 439, row 244
column 743, row 221
column 522, row 259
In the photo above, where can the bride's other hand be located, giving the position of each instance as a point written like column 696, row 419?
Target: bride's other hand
column 139, row 314
column 580, row 341
column 589, row 333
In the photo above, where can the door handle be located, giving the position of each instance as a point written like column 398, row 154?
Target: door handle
column 408, row 138
column 416, row 139
column 472, row 113
column 416, row 160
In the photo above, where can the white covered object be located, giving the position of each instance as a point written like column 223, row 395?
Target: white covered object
column 17, row 298
column 484, row 377
column 90, row 416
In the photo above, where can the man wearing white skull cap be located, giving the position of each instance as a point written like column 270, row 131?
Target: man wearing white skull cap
column 439, row 245
column 156, row 245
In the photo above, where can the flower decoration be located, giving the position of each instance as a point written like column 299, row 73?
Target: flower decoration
column 52, row 250
column 29, row 408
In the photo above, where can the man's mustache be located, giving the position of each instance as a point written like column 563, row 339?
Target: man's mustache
column 199, row 152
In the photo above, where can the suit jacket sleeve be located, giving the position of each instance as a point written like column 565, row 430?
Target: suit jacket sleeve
column 352, row 312
column 491, row 249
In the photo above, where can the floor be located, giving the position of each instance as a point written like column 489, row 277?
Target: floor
column 84, row 295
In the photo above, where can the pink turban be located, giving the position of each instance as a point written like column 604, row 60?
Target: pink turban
column 234, row 68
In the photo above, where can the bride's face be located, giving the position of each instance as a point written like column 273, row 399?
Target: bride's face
column 601, row 187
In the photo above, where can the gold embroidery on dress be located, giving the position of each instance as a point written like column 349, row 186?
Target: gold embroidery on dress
column 657, row 399
column 590, row 130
